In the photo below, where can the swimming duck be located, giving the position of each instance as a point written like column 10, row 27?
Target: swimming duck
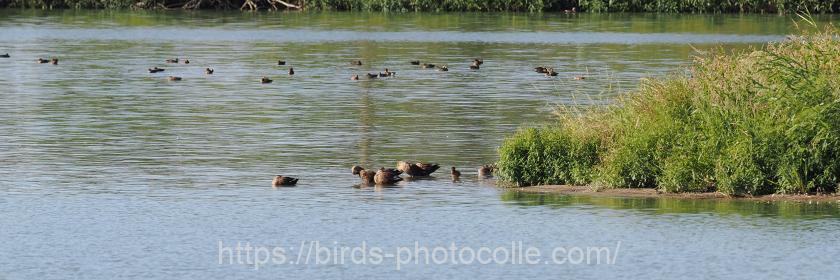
column 550, row 72
column 540, row 69
column 580, row 78
column 389, row 73
column 386, row 177
column 474, row 66
column 186, row 61
column 280, row 180
column 572, row 11
column 291, row 71
column 455, row 174
column 54, row 61
column 155, row 70
column 208, row 71
column 265, row 80
column 477, row 61
column 417, row 169
column 427, row 65
column 42, row 61
column 486, row 170
column 443, row 68
column 281, row 62
column 5, row 55
column 368, row 176
column 356, row 62
column 172, row 60
column 174, row 78
column 354, row 77
column 415, row 62
column 372, row 76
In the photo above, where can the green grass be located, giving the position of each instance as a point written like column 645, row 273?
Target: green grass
column 664, row 6
column 758, row 122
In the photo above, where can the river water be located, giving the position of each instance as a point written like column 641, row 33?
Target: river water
column 109, row 171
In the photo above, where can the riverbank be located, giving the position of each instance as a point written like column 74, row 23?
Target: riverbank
column 654, row 193
column 656, row 6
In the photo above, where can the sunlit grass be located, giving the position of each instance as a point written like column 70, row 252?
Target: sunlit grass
column 757, row 122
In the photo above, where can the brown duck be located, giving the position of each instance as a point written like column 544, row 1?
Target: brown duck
column 265, row 80
column 172, row 60
column 486, row 170
column 186, row 61
column 354, row 77
column 291, row 71
column 281, row 62
column 478, row 61
column 156, row 70
column 372, row 76
column 540, row 69
column 174, row 78
column 474, row 66
column 550, row 72
column 427, row 65
column 386, row 176
column 418, row 169
column 42, row 61
column 356, row 62
column 415, row 62
column 455, row 174
column 443, row 68
column 54, row 61
column 280, row 180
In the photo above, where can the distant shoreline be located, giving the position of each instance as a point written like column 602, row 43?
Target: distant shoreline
column 653, row 193
column 534, row 6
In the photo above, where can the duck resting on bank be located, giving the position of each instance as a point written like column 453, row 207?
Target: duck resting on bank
column 418, row 169
column 280, row 180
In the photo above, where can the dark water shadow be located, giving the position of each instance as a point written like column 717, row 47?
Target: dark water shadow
column 782, row 209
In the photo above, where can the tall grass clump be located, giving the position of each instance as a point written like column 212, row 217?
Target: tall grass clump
column 757, row 122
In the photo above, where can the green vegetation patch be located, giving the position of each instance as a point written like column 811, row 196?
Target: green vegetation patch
column 758, row 122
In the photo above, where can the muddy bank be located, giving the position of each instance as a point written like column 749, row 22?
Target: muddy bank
column 653, row 193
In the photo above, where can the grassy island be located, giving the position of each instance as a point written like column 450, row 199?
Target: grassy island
column 764, row 121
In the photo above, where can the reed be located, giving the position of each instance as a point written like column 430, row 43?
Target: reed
column 756, row 122
column 661, row 6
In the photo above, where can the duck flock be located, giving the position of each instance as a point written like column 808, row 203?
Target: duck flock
column 382, row 176
column 390, row 176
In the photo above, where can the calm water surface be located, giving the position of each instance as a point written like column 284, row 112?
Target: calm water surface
column 111, row 172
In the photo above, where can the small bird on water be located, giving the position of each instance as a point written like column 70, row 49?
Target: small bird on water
column 265, row 80
column 208, row 71
column 291, row 71
column 280, row 181
column 5, row 55
column 456, row 175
